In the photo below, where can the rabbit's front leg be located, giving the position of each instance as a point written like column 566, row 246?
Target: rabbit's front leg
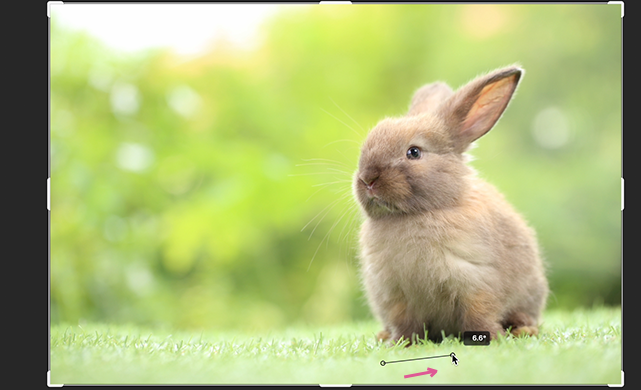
column 400, row 324
column 481, row 313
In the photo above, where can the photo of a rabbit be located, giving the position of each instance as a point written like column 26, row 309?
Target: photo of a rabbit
column 295, row 193
column 441, row 250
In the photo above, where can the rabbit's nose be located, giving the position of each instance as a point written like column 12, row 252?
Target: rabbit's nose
column 369, row 182
column 369, row 177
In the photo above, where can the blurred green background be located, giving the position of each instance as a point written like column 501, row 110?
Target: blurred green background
column 214, row 191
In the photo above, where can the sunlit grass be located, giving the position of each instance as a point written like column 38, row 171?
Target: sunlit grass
column 582, row 346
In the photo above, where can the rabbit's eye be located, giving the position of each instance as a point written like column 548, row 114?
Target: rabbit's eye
column 413, row 153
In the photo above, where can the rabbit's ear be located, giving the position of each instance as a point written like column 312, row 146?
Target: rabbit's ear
column 474, row 109
column 429, row 97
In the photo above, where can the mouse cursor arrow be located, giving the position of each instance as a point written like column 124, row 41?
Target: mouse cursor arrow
column 454, row 359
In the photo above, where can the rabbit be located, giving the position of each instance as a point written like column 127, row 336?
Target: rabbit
column 441, row 250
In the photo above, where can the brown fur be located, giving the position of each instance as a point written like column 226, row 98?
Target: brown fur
column 441, row 249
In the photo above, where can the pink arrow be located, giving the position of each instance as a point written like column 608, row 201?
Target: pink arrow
column 430, row 371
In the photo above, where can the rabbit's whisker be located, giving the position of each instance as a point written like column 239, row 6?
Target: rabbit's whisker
column 328, row 208
column 318, row 173
column 317, row 215
column 332, row 182
column 342, row 140
column 325, row 238
column 320, row 164
column 353, row 208
column 324, row 185
column 323, row 159
column 350, row 127
column 346, row 114
column 341, row 171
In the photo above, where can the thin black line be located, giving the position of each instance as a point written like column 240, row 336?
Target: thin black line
column 423, row 358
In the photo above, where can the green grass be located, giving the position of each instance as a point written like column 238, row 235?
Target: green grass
column 574, row 347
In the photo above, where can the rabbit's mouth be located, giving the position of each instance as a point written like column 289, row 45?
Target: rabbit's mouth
column 378, row 197
column 376, row 205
